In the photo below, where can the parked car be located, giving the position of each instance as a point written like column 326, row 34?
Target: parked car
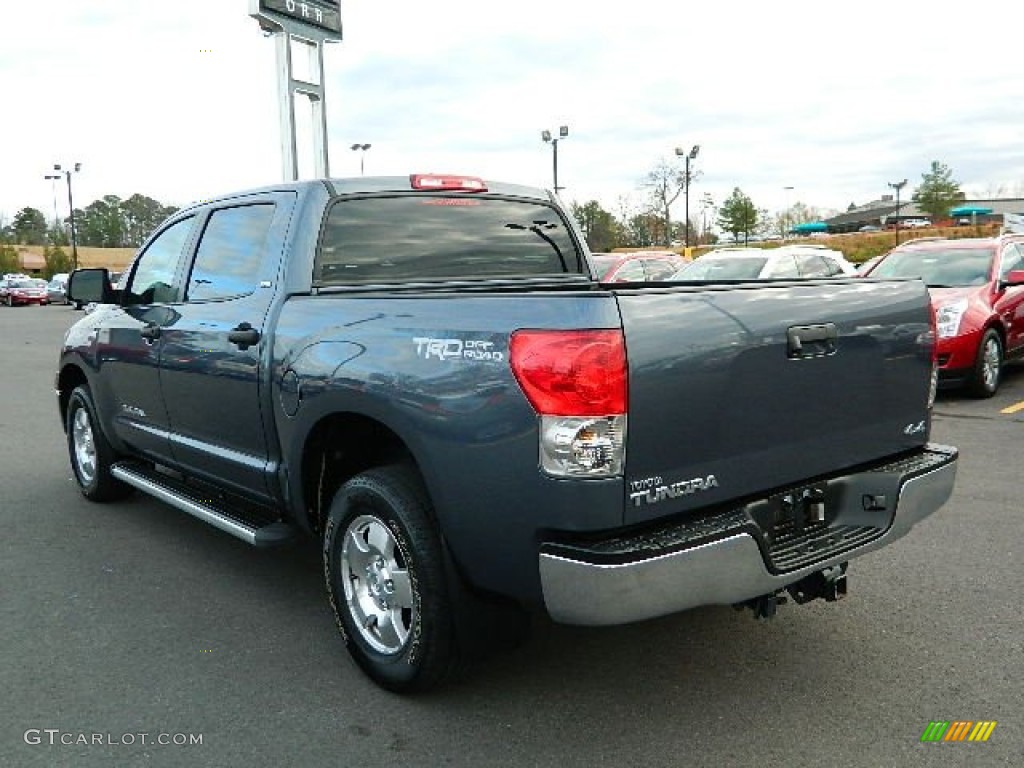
column 23, row 291
column 915, row 223
column 637, row 266
column 787, row 262
column 57, row 290
column 870, row 228
column 977, row 289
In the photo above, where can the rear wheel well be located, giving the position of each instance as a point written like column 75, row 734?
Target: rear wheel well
column 338, row 448
column 71, row 376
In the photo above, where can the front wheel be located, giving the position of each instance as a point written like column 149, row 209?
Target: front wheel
column 92, row 456
column 384, row 568
column 988, row 366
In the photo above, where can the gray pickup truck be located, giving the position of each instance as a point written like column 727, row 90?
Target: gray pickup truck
column 423, row 374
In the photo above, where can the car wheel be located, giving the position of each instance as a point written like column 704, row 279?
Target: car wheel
column 988, row 366
column 92, row 456
column 386, row 580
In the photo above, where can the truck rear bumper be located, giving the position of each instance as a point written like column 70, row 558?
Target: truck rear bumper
column 729, row 557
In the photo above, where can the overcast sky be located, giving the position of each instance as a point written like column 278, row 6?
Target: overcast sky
column 178, row 100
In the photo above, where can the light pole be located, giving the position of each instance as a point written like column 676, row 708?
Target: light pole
column 53, row 178
column 362, row 155
column 692, row 155
column 787, row 218
column 71, row 209
column 563, row 131
column 898, row 185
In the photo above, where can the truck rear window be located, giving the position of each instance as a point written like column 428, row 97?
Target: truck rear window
column 403, row 238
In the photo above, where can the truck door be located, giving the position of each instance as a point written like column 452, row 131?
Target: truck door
column 1010, row 303
column 213, row 359
column 129, row 342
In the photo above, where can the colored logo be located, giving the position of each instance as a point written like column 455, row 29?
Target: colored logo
column 958, row 730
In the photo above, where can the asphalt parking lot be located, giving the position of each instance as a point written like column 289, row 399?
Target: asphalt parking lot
column 133, row 618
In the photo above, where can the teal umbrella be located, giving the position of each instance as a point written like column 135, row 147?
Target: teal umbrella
column 969, row 210
column 810, row 226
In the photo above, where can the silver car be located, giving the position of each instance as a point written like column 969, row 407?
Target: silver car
column 57, row 290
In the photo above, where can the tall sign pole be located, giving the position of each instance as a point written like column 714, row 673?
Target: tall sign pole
column 301, row 28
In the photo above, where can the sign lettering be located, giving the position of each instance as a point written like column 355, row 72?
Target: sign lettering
column 323, row 14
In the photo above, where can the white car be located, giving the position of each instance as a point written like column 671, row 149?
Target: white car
column 787, row 262
column 915, row 223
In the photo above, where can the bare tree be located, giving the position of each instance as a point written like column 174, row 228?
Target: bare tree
column 708, row 211
column 664, row 184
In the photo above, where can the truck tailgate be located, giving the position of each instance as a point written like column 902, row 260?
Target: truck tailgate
column 735, row 390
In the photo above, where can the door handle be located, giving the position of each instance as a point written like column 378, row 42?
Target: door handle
column 244, row 336
column 150, row 332
column 811, row 340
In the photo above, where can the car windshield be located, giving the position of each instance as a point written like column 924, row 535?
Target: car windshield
column 21, row 284
column 603, row 263
column 939, row 268
column 732, row 268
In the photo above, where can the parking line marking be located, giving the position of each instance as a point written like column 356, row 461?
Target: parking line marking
column 1013, row 408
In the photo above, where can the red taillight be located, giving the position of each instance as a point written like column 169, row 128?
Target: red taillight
column 447, row 183
column 571, row 373
column 933, row 386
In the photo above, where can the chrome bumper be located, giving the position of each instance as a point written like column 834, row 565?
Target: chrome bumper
column 725, row 571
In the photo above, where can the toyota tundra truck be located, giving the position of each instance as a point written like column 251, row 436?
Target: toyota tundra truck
column 424, row 375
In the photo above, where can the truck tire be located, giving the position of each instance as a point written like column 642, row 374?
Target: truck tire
column 92, row 456
column 988, row 366
column 386, row 580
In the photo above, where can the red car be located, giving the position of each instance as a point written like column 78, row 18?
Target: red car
column 637, row 266
column 977, row 289
column 23, row 291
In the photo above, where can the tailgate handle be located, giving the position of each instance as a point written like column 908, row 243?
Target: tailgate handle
column 811, row 340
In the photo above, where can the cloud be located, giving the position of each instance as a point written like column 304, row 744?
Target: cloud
column 179, row 101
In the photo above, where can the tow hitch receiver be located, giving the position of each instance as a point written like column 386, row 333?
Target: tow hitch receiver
column 765, row 606
column 828, row 584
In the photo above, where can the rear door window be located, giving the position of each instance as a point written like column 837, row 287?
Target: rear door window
column 784, row 267
column 813, row 265
column 1013, row 259
column 230, row 253
column 409, row 238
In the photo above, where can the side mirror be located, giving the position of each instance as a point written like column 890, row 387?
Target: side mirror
column 86, row 285
column 1014, row 277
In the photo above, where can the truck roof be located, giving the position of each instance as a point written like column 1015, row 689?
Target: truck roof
column 377, row 184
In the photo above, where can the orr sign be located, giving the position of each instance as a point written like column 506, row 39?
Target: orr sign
column 322, row 15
